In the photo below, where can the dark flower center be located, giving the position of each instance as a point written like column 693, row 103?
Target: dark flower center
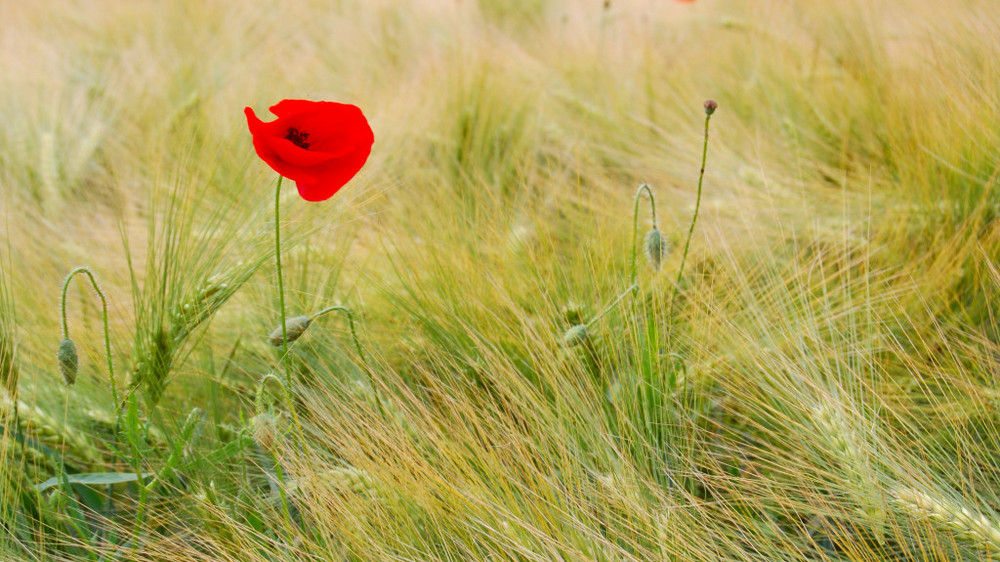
column 298, row 138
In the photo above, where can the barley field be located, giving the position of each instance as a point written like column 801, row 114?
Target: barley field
column 530, row 328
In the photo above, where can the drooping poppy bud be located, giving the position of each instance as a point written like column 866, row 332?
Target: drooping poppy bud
column 264, row 429
column 294, row 327
column 656, row 248
column 68, row 362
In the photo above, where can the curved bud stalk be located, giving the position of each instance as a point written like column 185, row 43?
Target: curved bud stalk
column 68, row 362
column 635, row 232
column 264, row 416
column 350, row 322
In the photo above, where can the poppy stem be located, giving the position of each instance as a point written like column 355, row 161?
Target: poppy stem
column 694, row 219
column 281, row 284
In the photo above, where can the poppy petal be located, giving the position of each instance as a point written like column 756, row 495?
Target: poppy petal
column 286, row 108
column 297, row 156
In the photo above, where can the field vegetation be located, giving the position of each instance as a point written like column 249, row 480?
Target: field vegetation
column 817, row 377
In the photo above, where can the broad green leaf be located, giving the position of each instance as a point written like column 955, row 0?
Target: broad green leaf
column 92, row 479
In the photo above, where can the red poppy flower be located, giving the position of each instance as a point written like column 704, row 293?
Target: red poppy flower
column 320, row 145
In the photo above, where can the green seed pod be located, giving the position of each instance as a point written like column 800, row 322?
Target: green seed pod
column 68, row 362
column 575, row 335
column 295, row 327
column 656, row 248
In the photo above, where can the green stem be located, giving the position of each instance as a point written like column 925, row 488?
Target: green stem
column 140, row 511
column 350, row 321
column 613, row 304
column 694, row 219
column 107, row 332
column 281, row 284
column 283, row 498
column 635, row 226
column 133, row 435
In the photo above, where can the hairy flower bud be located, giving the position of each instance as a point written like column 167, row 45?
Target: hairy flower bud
column 264, row 429
column 575, row 335
column 656, row 248
column 295, row 327
column 573, row 313
column 710, row 107
column 68, row 362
